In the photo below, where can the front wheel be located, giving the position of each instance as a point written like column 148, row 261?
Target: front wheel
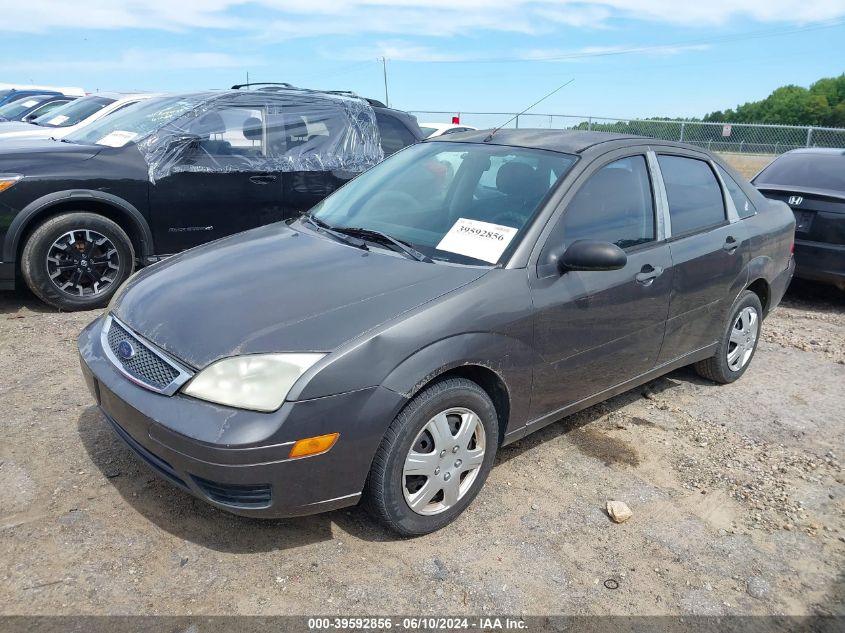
column 738, row 343
column 76, row 261
column 434, row 458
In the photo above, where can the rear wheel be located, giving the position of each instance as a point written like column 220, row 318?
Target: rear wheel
column 434, row 458
column 739, row 341
column 76, row 261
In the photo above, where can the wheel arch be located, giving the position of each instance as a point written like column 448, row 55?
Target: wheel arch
column 506, row 381
column 129, row 218
column 760, row 271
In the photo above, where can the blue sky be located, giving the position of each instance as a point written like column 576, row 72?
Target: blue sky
column 629, row 58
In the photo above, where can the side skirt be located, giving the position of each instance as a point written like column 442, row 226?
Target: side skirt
column 575, row 407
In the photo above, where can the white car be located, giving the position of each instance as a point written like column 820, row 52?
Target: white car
column 439, row 129
column 69, row 117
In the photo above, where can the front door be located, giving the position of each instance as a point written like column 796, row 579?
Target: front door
column 220, row 184
column 597, row 329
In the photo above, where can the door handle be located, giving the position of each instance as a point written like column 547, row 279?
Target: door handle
column 263, row 179
column 730, row 244
column 648, row 274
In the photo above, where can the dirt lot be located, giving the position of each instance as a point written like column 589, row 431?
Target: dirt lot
column 737, row 492
column 749, row 165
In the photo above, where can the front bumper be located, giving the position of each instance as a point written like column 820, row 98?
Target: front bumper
column 238, row 460
column 818, row 261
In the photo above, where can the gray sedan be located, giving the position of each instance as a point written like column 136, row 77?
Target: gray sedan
column 449, row 301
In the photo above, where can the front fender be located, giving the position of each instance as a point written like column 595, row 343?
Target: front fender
column 510, row 359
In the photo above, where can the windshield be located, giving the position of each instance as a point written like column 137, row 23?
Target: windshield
column 73, row 112
column 454, row 202
column 14, row 109
column 816, row 171
column 133, row 123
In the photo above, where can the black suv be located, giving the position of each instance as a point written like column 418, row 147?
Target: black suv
column 173, row 172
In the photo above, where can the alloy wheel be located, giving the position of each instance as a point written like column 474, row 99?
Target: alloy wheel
column 444, row 461
column 743, row 338
column 83, row 263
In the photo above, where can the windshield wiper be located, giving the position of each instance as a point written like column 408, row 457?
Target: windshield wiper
column 324, row 227
column 383, row 238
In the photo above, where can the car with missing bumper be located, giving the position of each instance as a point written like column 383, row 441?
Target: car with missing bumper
column 454, row 298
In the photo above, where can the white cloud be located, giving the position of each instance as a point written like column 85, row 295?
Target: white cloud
column 139, row 60
column 297, row 18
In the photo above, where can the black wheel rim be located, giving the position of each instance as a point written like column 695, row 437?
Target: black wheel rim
column 83, row 263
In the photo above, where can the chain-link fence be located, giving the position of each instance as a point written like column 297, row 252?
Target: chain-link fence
column 746, row 138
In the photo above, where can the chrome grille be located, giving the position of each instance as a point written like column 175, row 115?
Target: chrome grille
column 145, row 366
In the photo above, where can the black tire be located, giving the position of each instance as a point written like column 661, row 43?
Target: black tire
column 117, row 267
column 384, row 495
column 717, row 368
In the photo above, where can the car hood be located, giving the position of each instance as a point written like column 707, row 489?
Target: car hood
column 275, row 289
column 24, row 151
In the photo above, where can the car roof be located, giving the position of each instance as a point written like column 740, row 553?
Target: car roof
column 830, row 151
column 565, row 141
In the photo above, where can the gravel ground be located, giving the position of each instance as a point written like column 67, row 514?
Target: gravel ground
column 737, row 494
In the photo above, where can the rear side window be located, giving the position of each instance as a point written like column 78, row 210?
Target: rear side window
column 743, row 205
column 394, row 135
column 614, row 205
column 695, row 197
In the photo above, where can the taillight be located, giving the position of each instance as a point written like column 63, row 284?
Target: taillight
column 792, row 248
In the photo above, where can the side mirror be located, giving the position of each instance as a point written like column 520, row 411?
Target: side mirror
column 592, row 255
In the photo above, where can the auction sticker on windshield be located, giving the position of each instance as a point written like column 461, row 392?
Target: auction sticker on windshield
column 118, row 138
column 477, row 239
column 57, row 120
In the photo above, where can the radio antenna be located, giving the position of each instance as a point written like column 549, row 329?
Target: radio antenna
column 561, row 87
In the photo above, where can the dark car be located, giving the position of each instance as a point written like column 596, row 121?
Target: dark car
column 174, row 172
column 454, row 298
column 32, row 106
column 812, row 182
column 13, row 94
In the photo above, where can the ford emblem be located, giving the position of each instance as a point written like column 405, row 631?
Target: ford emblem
column 125, row 350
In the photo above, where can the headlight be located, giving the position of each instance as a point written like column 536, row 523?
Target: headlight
column 259, row 382
column 7, row 180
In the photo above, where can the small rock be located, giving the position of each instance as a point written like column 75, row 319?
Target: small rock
column 534, row 506
column 757, row 587
column 183, row 561
column 619, row 511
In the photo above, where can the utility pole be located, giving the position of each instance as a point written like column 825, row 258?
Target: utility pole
column 384, row 67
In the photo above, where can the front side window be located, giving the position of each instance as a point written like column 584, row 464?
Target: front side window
column 743, row 204
column 228, row 131
column 464, row 203
column 695, row 197
column 615, row 205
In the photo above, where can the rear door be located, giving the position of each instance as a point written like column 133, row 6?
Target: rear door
column 597, row 329
column 709, row 251
column 220, row 184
